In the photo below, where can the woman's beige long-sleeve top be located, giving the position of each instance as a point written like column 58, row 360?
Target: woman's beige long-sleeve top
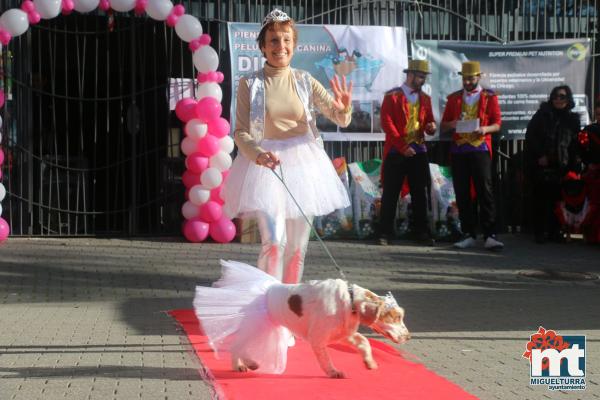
column 285, row 116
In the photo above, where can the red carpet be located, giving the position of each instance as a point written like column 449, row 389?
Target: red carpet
column 395, row 379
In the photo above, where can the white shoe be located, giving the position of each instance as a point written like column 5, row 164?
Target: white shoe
column 465, row 243
column 291, row 341
column 492, row 244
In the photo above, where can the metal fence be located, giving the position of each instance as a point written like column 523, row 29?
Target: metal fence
column 93, row 148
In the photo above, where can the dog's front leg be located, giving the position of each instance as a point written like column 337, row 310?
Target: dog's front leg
column 362, row 344
column 240, row 365
column 325, row 361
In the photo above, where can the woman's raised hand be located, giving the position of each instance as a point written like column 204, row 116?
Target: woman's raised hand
column 342, row 93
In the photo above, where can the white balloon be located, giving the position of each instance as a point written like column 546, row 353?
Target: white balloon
column 48, row 9
column 0, row 127
column 122, row 5
column 159, row 9
column 188, row 28
column 211, row 178
column 199, row 195
column 195, row 129
column 210, row 89
column 0, row 209
column 84, row 6
column 189, row 146
column 226, row 143
column 220, row 161
column 206, row 59
column 189, row 210
column 2, row 192
column 14, row 21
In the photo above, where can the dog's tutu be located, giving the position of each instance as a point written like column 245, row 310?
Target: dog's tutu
column 234, row 316
column 307, row 171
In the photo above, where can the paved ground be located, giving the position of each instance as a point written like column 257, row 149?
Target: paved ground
column 85, row 318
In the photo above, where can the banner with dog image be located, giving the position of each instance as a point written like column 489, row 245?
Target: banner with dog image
column 522, row 73
column 372, row 57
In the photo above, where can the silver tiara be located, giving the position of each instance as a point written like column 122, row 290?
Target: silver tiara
column 275, row 16
column 389, row 301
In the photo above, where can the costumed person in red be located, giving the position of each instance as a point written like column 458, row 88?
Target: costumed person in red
column 551, row 151
column 572, row 210
column 590, row 146
column 406, row 117
column 471, row 155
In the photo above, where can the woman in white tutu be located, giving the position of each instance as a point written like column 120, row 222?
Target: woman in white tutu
column 275, row 126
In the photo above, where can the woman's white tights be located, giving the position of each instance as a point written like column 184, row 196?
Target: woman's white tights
column 284, row 243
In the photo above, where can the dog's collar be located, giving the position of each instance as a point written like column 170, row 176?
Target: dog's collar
column 351, row 293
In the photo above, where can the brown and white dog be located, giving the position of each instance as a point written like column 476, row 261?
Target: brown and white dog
column 330, row 311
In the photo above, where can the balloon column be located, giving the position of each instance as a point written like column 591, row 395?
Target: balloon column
column 4, row 228
column 206, row 144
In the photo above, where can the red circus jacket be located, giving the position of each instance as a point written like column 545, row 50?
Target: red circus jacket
column 488, row 112
column 394, row 117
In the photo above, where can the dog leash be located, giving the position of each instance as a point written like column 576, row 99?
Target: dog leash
column 389, row 299
column 335, row 264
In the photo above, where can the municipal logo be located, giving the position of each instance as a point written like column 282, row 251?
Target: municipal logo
column 556, row 361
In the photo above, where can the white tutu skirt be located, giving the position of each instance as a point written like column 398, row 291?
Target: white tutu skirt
column 307, row 171
column 234, row 316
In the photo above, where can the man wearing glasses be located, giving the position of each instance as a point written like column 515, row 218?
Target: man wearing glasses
column 473, row 114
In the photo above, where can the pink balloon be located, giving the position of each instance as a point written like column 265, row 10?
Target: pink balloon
column 1, row 157
column 185, row 109
column 208, row 146
column 67, row 6
column 190, row 179
column 224, row 174
column 1, row 98
column 222, row 231
column 211, row 211
column 4, row 229
column 187, row 194
column 140, row 6
column 196, row 163
column 215, row 195
column 204, row 39
column 218, row 127
column 208, row 108
column 176, row 12
column 5, row 37
column 195, row 230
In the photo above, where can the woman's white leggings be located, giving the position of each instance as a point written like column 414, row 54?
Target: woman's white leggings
column 284, row 243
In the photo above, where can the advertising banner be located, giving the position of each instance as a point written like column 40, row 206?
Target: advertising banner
column 522, row 73
column 372, row 57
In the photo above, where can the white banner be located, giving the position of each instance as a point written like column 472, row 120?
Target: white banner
column 373, row 57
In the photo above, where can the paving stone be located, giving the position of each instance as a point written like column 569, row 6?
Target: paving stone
column 86, row 318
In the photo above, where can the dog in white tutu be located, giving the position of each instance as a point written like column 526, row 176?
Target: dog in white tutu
column 255, row 317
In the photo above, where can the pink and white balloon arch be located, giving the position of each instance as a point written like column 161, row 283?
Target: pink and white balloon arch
column 207, row 144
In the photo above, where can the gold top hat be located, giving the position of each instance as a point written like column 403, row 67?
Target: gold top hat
column 418, row 66
column 470, row 68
